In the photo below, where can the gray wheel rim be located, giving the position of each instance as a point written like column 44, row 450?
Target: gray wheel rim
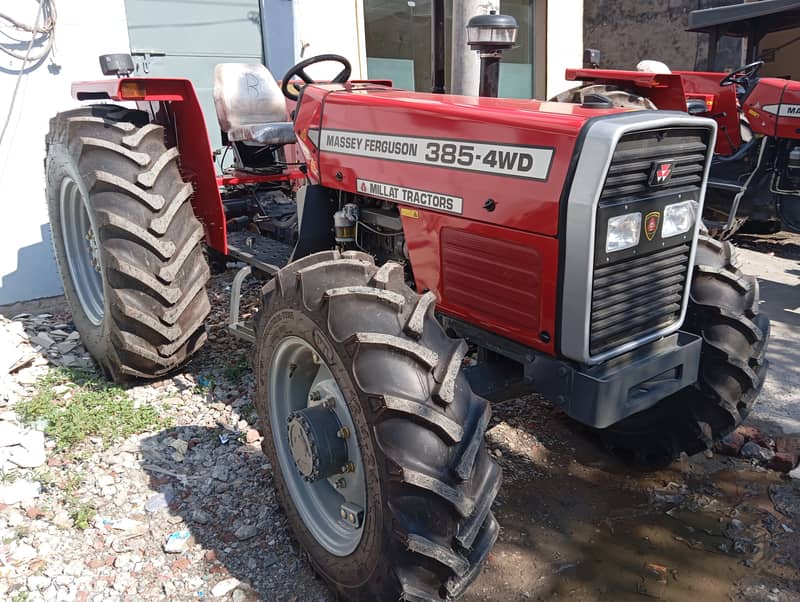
column 83, row 254
column 295, row 371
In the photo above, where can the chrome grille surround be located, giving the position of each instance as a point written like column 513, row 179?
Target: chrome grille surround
column 600, row 140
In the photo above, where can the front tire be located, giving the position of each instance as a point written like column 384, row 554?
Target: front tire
column 126, row 241
column 723, row 310
column 429, row 483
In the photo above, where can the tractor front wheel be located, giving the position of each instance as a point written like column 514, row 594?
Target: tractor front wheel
column 376, row 439
column 126, row 241
column 723, row 310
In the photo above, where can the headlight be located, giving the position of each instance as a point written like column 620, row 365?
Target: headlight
column 679, row 218
column 623, row 232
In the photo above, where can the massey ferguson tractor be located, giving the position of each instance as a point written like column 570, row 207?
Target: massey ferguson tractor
column 396, row 233
column 755, row 174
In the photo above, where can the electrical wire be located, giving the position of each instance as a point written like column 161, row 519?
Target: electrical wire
column 25, row 60
column 47, row 9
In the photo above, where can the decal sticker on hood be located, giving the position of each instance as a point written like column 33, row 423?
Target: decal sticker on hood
column 497, row 159
column 411, row 196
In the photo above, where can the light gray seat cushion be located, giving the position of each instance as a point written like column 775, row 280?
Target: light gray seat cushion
column 264, row 133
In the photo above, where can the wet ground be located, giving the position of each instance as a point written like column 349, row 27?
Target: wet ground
column 578, row 524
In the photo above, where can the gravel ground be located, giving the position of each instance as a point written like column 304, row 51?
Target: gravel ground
column 183, row 508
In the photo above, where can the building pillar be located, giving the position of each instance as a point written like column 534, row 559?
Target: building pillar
column 465, row 67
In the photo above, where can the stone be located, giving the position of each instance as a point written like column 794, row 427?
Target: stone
column 731, row 444
column 62, row 520
column 10, row 434
column 127, row 524
column 223, row 588
column 177, row 542
column 19, row 491
column 789, row 445
column 23, row 553
column 246, row 532
column 751, row 433
column 200, row 517
column 30, row 451
column 220, row 472
column 14, row 518
column 252, row 436
column 37, row 582
column 65, row 346
column 160, row 501
column 781, row 462
column 43, row 340
column 754, row 451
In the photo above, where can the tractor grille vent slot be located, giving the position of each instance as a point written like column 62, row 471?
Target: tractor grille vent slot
column 635, row 155
column 636, row 297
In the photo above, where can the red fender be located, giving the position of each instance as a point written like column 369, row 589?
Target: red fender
column 179, row 111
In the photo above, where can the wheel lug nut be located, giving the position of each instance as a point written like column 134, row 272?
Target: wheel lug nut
column 315, row 395
column 340, row 484
column 349, row 467
column 343, row 433
column 329, row 403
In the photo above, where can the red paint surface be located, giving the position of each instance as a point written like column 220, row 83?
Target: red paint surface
column 669, row 91
column 196, row 160
column 772, row 91
column 233, row 178
column 495, row 268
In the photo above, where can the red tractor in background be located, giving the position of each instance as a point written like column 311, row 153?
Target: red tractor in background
column 755, row 174
column 384, row 223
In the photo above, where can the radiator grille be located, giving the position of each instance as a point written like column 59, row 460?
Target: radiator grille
column 640, row 294
column 633, row 298
column 632, row 164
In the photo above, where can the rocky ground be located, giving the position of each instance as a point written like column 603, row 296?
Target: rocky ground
column 160, row 491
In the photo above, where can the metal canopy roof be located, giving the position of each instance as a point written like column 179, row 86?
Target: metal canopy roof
column 741, row 19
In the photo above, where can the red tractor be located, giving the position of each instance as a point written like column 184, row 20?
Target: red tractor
column 385, row 223
column 755, row 174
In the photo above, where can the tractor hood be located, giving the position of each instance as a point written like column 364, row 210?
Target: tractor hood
column 515, row 153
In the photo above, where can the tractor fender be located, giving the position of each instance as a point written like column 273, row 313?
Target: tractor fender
column 173, row 103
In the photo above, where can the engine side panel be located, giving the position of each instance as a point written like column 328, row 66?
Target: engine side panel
column 481, row 225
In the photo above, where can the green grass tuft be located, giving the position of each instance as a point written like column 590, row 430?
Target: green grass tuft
column 91, row 408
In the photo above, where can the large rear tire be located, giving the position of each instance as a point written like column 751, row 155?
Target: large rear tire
column 126, row 241
column 428, row 482
column 723, row 310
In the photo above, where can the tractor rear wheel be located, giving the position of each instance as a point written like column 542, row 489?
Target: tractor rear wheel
column 126, row 241
column 723, row 310
column 376, row 439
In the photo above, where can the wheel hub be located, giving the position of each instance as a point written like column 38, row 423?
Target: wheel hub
column 316, row 443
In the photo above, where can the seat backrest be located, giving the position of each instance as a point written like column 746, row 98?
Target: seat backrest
column 246, row 94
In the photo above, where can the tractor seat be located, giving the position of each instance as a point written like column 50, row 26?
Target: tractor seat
column 250, row 105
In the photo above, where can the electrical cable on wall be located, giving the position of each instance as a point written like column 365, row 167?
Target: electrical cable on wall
column 47, row 9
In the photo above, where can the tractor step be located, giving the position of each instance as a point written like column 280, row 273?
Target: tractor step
column 724, row 185
column 243, row 329
column 264, row 254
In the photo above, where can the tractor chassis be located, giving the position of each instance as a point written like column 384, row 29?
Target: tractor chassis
column 596, row 396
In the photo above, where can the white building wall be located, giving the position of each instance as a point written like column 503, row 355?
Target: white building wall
column 564, row 42
column 84, row 30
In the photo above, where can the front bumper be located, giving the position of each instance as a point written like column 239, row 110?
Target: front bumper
column 604, row 394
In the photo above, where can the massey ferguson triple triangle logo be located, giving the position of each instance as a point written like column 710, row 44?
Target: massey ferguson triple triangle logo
column 661, row 174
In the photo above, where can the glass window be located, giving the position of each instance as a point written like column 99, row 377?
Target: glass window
column 398, row 38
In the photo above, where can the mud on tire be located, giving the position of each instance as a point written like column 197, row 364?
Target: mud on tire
column 428, row 524
column 147, row 316
column 723, row 310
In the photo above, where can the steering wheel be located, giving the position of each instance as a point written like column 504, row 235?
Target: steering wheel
column 299, row 71
column 742, row 75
